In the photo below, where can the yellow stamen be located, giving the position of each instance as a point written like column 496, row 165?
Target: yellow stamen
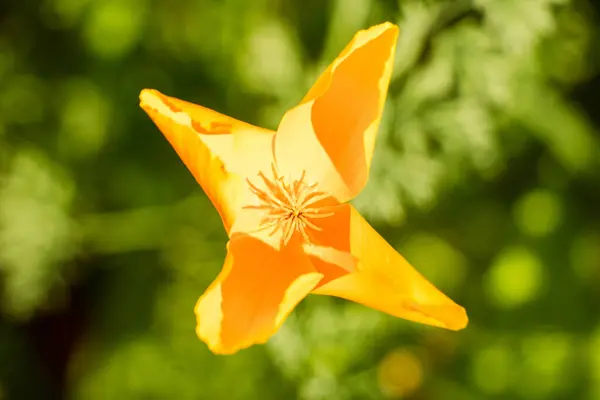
column 291, row 206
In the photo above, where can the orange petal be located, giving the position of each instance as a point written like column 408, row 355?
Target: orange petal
column 331, row 134
column 384, row 280
column 256, row 290
column 218, row 150
column 329, row 248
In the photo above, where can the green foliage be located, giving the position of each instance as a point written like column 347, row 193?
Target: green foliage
column 485, row 177
column 36, row 233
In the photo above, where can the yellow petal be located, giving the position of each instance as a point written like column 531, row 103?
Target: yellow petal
column 256, row 290
column 218, row 150
column 384, row 280
column 331, row 134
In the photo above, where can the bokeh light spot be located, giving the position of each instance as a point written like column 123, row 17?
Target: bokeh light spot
column 546, row 365
column 492, row 369
column 538, row 212
column 400, row 373
column 84, row 119
column 114, row 27
column 515, row 278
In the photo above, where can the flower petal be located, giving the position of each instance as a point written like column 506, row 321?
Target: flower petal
column 384, row 280
column 331, row 134
column 218, row 150
column 256, row 290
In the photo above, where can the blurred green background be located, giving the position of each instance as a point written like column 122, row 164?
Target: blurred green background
column 486, row 177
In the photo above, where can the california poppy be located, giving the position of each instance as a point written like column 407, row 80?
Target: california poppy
column 283, row 198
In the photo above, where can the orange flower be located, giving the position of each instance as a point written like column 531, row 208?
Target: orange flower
column 283, row 197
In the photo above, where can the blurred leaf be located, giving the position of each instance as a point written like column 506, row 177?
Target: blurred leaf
column 36, row 231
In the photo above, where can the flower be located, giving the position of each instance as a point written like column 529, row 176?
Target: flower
column 283, row 198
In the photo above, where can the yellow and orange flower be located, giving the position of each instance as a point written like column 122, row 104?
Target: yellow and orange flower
column 283, row 198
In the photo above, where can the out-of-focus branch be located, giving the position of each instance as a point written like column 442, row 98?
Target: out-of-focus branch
column 141, row 228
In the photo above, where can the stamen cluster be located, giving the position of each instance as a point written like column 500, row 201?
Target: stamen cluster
column 291, row 206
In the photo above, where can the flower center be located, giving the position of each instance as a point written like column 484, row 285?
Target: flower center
column 291, row 207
